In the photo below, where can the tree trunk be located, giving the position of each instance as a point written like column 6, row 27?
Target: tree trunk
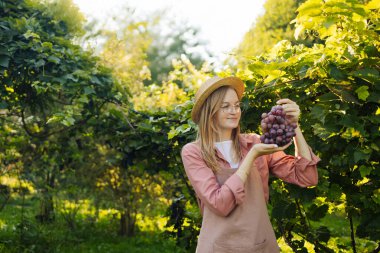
column 46, row 214
column 127, row 224
column 353, row 243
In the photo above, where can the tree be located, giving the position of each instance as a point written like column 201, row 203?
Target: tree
column 336, row 84
column 125, row 52
column 170, row 41
column 49, row 84
column 273, row 26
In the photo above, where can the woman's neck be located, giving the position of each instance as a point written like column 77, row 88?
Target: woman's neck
column 224, row 136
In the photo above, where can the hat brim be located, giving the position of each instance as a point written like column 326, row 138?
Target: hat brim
column 209, row 87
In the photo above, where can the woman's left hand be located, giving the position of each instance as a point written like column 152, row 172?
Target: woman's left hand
column 291, row 109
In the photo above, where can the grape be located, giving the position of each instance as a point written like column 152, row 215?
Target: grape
column 276, row 129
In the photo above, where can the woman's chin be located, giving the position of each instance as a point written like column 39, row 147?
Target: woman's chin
column 232, row 126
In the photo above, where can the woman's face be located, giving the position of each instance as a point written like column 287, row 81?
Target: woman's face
column 228, row 116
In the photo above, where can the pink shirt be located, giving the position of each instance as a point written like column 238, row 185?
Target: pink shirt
column 222, row 199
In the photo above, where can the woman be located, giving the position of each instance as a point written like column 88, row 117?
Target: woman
column 229, row 171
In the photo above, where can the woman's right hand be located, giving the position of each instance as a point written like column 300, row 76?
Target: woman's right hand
column 266, row 149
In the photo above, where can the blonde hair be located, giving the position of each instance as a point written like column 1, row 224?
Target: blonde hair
column 208, row 133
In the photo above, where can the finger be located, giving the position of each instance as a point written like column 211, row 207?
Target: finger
column 295, row 113
column 292, row 105
column 270, row 146
column 291, row 109
column 292, row 114
column 284, row 101
column 286, row 146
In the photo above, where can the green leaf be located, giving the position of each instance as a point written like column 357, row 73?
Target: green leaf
column 258, row 68
column 317, row 212
column 179, row 130
column 283, row 210
column 4, row 61
column 373, row 5
column 299, row 29
column 329, row 22
column 3, row 105
column 83, row 99
column 304, row 194
column 117, row 113
column 323, row 234
column 40, row 63
column 334, row 193
column 3, row 50
column 336, row 73
column 54, row 119
column 362, row 92
column 172, row 133
column 54, row 59
column 328, row 97
column 48, row 45
column 375, row 147
column 342, row 93
column 318, row 113
column 30, row 34
column 310, row 8
column 95, row 80
column 376, row 196
column 368, row 74
column 321, row 131
column 71, row 77
column 274, row 74
column 365, row 170
column 68, row 121
column 89, row 90
column 361, row 155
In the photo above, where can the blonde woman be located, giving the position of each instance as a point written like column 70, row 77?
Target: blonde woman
column 229, row 171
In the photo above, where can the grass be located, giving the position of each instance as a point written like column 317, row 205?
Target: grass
column 340, row 240
column 21, row 233
column 87, row 237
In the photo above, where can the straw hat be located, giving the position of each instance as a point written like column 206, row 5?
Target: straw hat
column 209, row 87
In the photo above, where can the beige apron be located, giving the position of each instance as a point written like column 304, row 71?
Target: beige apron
column 246, row 229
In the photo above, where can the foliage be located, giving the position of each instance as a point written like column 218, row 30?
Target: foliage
column 59, row 238
column 170, row 42
column 273, row 26
column 336, row 84
column 64, row 11
column 50, row 89
column 71, row 129
column 143, row 53
column 184, row 79
column 43, row 73
column 125, row 52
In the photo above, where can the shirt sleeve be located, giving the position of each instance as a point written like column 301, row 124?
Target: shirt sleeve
column 220, row 199
column 295, row 170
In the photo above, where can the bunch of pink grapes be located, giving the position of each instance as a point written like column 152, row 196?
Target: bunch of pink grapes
column 276, row 129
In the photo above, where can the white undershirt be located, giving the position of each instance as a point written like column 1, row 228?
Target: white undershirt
column 225, row 147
